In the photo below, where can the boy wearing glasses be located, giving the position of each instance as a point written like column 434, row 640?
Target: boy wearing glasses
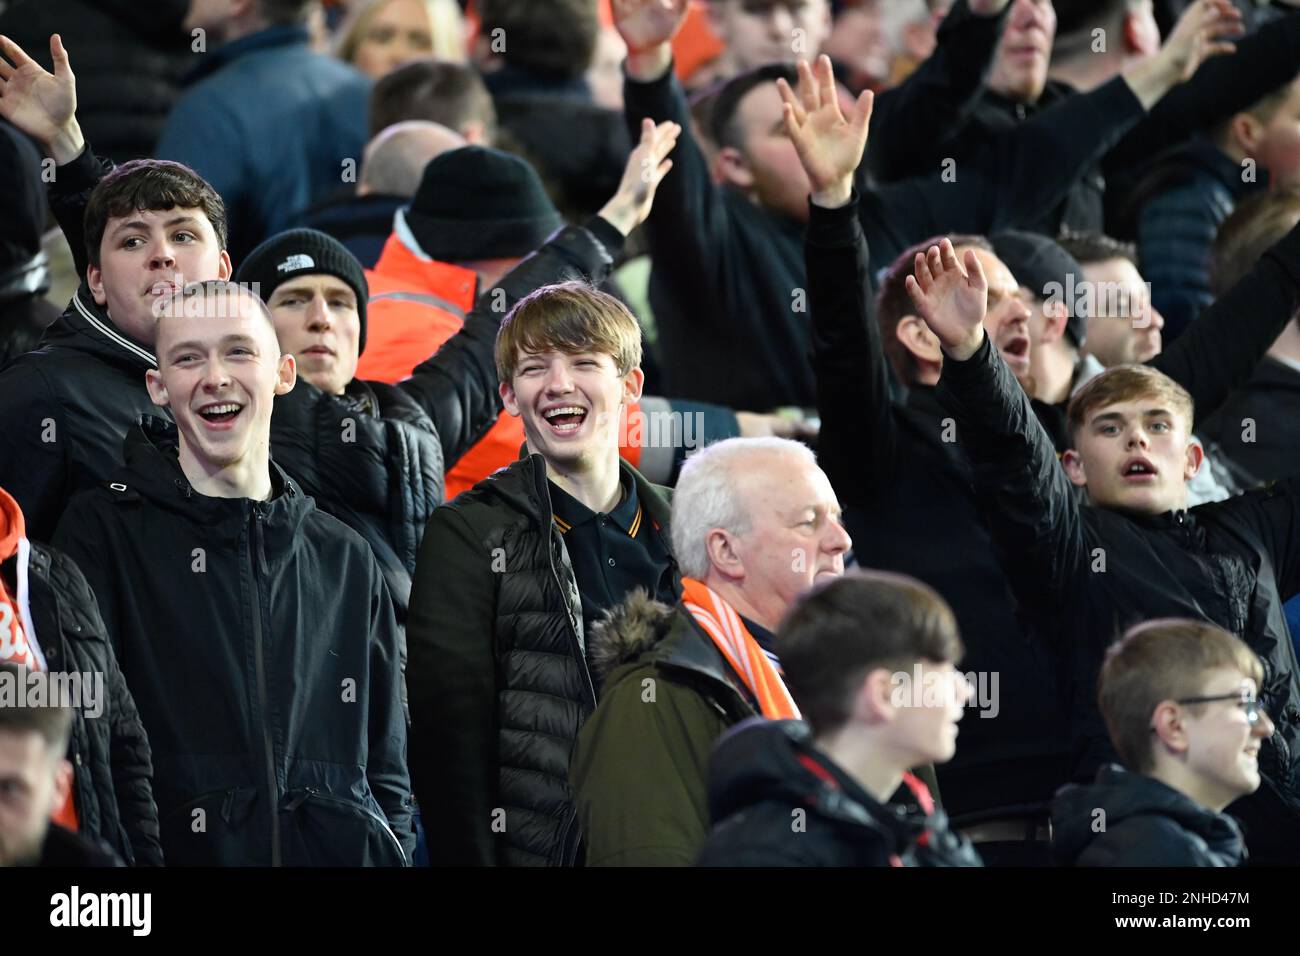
column 1179, row 699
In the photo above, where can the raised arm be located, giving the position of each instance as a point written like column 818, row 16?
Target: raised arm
column 1220, row 350
column 1031, row 505
column 457, row 386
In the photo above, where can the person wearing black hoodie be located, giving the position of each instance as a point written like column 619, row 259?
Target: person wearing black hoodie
column 1179, row 698
column 255, row 631
column 869, row 659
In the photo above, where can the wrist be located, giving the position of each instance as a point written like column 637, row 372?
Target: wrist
column 66, row 145
column 620, row 215
column 962, row 351
column 835, row 195
column 649, row 64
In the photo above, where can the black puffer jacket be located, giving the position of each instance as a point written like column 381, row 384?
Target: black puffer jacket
column 112, row 767
column 1126, row 819
column 765, row 776
column 497, row 674
column 129, row 58
column 1084, row 575
column 259, row 641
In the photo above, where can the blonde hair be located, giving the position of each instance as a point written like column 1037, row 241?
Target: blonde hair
column 1126, row 383
column 569, row 317
column 446, row 27
column 1161, row 660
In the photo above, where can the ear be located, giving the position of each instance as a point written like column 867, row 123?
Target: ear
column 917, row 338
column 633, row 382
column 733, row 169
column 154, row 383
column 720, row 546
column 95, row 282
column 1195, row 456
column 508, row 398
column 1057, row 316
column 224, row 269
column 286, row 376
column 1245, row 130
column 62, row 786
column 1169, row 727
column 874, row 701
column 474, row 133
column 1072, row 462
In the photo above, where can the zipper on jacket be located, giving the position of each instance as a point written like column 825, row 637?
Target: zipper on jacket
column 263, row 702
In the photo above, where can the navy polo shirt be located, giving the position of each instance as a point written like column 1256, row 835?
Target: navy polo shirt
column 612, row 553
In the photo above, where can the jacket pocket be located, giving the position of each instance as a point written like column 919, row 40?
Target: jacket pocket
column 217, row 828
column 324, row 829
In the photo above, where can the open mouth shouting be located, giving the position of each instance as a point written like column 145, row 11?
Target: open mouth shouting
column 1139, row 471
column 1015, row 351
column 220, row 415
column 564, row 419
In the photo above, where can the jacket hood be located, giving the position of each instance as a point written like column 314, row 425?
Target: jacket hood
column 1122, row 796
column 761, row 760
column 628, row 631
column 152, row 472
column 86, row 327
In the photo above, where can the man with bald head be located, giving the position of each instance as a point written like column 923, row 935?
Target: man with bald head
column 255, row 631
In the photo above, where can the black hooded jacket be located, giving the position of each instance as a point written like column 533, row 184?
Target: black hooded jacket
column 259, row 641
column 1126, row 819
column 776, row 800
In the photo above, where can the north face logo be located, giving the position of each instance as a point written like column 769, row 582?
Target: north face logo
column 296, row 263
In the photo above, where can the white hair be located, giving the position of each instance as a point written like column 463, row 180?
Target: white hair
column 708, row 496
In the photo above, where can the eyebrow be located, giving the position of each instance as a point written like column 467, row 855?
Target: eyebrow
column 300, row 289
column 141, row 224
column 237, row 339
column 1118, row 417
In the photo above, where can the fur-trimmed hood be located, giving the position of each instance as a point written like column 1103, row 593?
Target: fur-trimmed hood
column 628, row 631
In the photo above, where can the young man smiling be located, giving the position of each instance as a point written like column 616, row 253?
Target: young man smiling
column 510, row 578
column 255, row 631
column 1081, row 574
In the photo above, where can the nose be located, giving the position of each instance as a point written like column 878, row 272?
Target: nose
column 215, row 377
column 1026, row 14
column 1263, row 727
column 1137, row 436
column 837, row 538
column 1157, row 320
column 318, row 315
column 163, row 257
column 558, row 379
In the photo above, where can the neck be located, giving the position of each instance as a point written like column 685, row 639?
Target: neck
column 1086, row 73
column 243, row 26
column 1177, row 776
column 250, row 477
column 1053, row 374
column 1287, row 345
column 863, row 758
column 595, row 484
column 747, row 606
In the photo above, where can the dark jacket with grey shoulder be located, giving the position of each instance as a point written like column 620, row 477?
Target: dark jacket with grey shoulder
column 497, row 673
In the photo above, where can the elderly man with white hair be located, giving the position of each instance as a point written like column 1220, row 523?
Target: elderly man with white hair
column 754, row 524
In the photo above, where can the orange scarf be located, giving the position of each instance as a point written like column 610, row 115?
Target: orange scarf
column 721, row 622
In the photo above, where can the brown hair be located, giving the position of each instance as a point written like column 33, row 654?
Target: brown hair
column 1126, row 383
column 150, row 185
column 838, row 633
column 1254, row 226
column 439, row 91
column 558, row 37
column 51, row 721
column 893, row 303
column 1161, row 660
column 568, row 317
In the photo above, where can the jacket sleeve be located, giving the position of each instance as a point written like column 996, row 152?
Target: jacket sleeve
column 689, row 227
column 386, row 769
column 1221, row 86
column 457, row 386
column 34, row 464
column 1031, row 507
column 939, row 95
column 858, row 440
column 69, row 193
column 451, row 680
column 639, row 773
column 1274, row 512
column 1221, row 349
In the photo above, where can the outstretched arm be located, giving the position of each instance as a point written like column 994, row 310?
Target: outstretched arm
column 457, row 386
column 1032, row 510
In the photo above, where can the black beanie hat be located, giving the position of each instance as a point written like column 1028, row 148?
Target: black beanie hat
column 300, row 252
column 1042, row 266
column 480, row 203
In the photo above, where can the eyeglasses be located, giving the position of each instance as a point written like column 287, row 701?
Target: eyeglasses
column 1245, row 700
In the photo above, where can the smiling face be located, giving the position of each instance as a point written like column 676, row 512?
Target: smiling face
column 219, row 370
column 1222, row 745
column 147, row 256
column 795, row 536
column 570, row 404
column 398, row 31
column 316, row 321
column 1020, row 68
column 1135, row 455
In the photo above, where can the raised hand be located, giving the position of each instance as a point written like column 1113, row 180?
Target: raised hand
column 1200, row 33
column 952, row 300
column 648, row 27
column 829, row 145
column 41, row 104
column 645, row 170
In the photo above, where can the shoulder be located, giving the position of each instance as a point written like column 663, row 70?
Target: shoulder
column 1146, row 839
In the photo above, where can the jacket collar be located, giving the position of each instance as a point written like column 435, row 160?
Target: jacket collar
column 403, row 261
column 86, row 327
column 261, row 40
